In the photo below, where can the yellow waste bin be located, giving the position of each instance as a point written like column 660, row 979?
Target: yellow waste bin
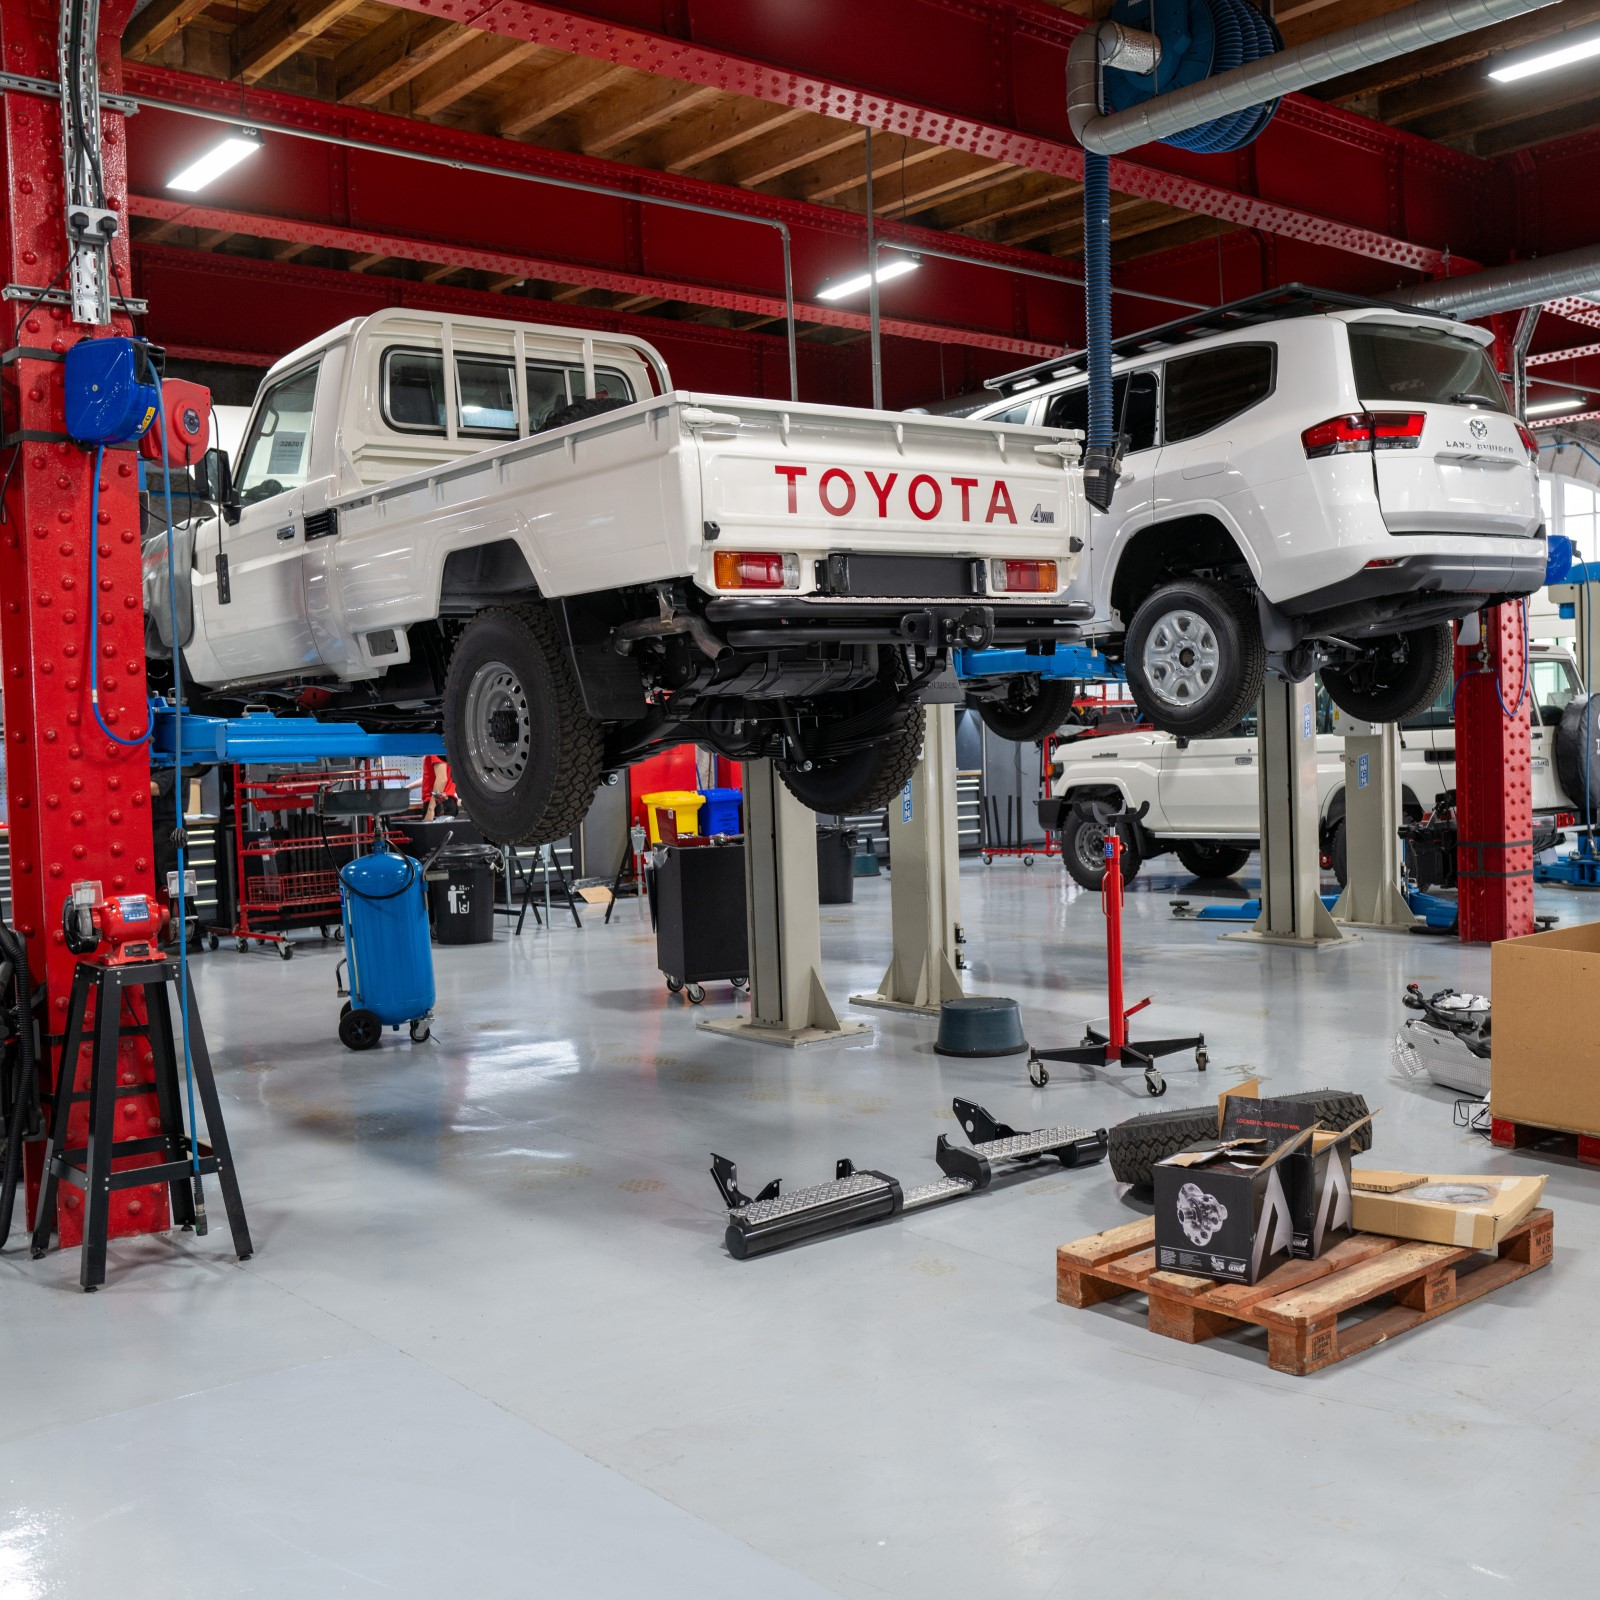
column 685, row 803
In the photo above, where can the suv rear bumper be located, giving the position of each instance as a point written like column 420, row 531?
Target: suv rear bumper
column 772, row 622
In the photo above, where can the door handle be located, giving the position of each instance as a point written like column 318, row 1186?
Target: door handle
column 286, row 533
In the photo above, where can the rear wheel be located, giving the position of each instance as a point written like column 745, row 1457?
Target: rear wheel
column 1194, row 657
column 1396, row 677
column 1083, row 849
column 1208, row 859
column 525, row 755
column 1031, row 709
column 864, row 780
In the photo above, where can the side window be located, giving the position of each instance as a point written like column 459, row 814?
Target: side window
column 485, row 396
column 1438, row 715
column 413, row 391
column 277, row 451
column 1133, row 402
column 552, row 386
column 1016, row 414
column 1553, row 690
column 1213, row 387
column 609, row 384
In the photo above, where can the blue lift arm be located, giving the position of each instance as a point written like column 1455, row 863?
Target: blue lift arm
column 261, row 737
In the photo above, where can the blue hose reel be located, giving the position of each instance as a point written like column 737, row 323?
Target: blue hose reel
column 1199, row 40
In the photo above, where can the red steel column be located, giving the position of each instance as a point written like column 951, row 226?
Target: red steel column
column 1494, row 783
column 79, row 805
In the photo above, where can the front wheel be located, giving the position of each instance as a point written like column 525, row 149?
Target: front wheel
column 1396, row 677
column 1194, row 657
column 1031, row 708
column 1208, row 859
column 525, row 755
column 1083, row 849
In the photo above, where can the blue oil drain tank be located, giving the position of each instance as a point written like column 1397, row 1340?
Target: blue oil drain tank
column 387, row 946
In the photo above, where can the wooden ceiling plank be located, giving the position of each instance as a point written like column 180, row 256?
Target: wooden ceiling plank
column 438, row 274
column 1507, row 105
column 156, row 24
column 1557, row 123
column 841, row 173
column 642, row 106
column 289, row 249
column 466, row 73
column 731, row 124
column 799, row 145
column 396, row 51
column 362, row 263
column 919, row 196
column 1010, row 199
column 564, row 86
column 281, row 28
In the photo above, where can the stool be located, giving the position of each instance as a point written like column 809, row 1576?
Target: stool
column 980, row 1025
column 90, row 1168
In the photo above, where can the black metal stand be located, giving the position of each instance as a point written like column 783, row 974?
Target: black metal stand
column 1098, row 1051
column 90, row 1168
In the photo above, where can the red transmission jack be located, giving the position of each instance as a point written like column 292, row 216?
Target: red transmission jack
column 130, row 924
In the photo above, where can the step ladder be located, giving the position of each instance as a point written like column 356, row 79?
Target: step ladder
column 856, row 1196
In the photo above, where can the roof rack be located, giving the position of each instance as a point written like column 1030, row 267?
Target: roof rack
column 1272, row 305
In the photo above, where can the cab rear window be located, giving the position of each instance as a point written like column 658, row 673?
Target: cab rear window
column 486, row 401
column 1427, row 365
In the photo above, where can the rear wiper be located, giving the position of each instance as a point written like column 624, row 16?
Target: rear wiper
column 1467, row 397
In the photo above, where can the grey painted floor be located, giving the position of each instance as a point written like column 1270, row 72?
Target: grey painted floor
column 491, row 1343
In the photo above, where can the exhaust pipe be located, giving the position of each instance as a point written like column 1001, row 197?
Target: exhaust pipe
column 1573, row 274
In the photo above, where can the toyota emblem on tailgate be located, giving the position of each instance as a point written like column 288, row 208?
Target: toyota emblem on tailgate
column 1479, row 427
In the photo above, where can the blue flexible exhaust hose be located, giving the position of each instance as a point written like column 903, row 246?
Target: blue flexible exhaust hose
column 1097, row 294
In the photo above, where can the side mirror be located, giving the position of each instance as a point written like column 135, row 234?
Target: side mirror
column 213, row 481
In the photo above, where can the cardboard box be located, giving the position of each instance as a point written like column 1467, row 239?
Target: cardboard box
column 1546, row 992
column 1316, row 1176
column 1222, row 1208
column 1471, row 1209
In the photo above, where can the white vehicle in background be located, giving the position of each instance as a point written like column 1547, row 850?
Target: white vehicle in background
column 525, row 536
column 1312, row 482
column 1204, row 795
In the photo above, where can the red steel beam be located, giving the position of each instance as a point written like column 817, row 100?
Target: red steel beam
column 988, row 77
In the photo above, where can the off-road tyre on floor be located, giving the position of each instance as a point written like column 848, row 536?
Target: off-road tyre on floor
column 1404, row 676
column 1336, row 1109
column 1194, row 657
column 1135, row 1146
column 864, row 780
column 1031, row 709
column 1207, row 859
column 1081, row 842
column 525, row 755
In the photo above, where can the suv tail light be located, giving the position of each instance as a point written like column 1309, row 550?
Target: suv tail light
column 755, row 569
column 1022, row 577
column 1529, row 443
column 1364, row 431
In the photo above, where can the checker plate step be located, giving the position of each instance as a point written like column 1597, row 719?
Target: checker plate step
column 929, row 1194
column 1039, row 1143
column 821, row 1194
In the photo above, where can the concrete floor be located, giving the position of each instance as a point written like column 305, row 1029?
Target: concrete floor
column 491, row 1344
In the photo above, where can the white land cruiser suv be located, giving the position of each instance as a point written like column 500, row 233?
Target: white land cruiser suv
column 524, row 535
column 1311, row 482
column 1204, row 794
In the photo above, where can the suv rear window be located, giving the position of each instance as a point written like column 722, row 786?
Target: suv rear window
column 1212, row 387
column 1423, row 364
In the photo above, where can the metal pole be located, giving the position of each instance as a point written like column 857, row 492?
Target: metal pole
column 788, row 308
column 1520, row 345
column 872, row 287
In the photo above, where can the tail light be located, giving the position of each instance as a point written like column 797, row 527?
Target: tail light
column 1364, row 431
column 755, row 569
column 1023, row 577
column 1529, row 443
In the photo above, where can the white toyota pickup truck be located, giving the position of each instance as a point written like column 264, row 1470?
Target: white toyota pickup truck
column 525, row 536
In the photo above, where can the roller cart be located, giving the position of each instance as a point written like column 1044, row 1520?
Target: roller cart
column 700, row 917
column 856, row 1196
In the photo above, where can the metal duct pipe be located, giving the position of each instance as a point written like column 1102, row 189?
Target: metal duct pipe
column 1347, row 50
column 1523, row 283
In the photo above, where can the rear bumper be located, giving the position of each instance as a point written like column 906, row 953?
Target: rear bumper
column 776, row 621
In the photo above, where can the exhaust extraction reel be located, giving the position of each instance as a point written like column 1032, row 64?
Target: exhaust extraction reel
column 772, row 1219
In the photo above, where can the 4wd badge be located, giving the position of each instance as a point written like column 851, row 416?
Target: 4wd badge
column 1041, row 515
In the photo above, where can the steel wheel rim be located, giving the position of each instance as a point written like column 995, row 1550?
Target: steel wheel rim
column 1091, row 846
column 1181, row 658
column 499, row 730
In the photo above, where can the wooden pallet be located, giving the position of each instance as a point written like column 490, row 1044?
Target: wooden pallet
column 1511, row 1135
column 1300, row 1303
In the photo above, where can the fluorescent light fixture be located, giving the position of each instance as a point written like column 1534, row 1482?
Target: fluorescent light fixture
column 1559, row 52
column 1558, row 406
column 218, row 159
column 894, row 267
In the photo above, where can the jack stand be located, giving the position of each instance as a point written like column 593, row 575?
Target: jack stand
column 1292, row 912
column 1102, row 1049
column 924, row 886
column 788, row 1005
column 856, row 1195
column 1372, row 895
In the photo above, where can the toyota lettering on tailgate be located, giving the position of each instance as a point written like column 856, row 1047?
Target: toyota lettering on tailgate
column 841, row 493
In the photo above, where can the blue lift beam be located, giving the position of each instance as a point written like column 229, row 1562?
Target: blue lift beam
column 260, row 737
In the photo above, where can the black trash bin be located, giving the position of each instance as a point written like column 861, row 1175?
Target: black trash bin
column 836, row 866
column 461, row 894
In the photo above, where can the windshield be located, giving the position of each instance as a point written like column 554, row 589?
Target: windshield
column 1426, row 365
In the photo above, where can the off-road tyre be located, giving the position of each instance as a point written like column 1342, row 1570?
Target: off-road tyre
column 864, row 780
column 1135, row 1146
column 1335, row 1109
column 579, row 411
column 1577, row 755
column 1029, row 711
column 1080, row 840
column 1229, row 615
column 564, row 765
column 1210, row 859
column 1410, row 672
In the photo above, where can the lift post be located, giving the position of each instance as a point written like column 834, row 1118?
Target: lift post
column 79, row 803
column 788, row 1004
column 1373, row 813
column 924, row 880
column 1292, row 911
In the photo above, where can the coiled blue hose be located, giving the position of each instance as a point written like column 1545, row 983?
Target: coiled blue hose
column 1243, row 35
